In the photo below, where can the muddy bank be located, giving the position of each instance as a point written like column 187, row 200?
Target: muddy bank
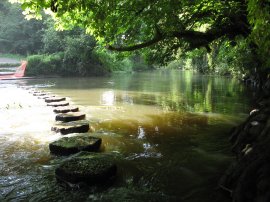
column 248, row 178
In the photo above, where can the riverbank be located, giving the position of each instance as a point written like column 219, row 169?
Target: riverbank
column 248, row 177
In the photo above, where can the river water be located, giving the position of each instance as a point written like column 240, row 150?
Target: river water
column 169, row 130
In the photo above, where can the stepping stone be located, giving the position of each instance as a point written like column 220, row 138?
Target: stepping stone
column 88, row 168
column 71, row 127
column 55, row 99
column 39, row 94
column 72, row 145
column 35, row 91
column 71, row 116
column 66, row 109
column 25, row 87
column 58, row 104
column 47, row 96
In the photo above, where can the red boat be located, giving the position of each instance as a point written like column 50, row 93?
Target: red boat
column 19, row 73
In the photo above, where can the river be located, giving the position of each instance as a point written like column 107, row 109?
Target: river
column 169, row 129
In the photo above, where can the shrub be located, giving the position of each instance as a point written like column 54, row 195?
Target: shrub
column 235, row 59
column 44, row 64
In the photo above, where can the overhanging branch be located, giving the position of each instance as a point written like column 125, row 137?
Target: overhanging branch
column 196, row 39
column 155, row 40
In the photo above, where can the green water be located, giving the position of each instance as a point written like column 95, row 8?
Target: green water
column 169, row 130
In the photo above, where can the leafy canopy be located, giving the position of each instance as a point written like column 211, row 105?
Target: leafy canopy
column 165, row 25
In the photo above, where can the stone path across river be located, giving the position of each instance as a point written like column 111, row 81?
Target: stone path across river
column 85, row 167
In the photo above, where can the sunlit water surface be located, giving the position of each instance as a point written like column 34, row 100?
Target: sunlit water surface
column 169, row 130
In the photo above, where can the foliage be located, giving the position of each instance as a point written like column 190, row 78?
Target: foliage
column 77, row 51
column 112, row 61
column 197, row 60
column 18, row 35
column 176, row 64
column 127, row 25
column 226, row 58
column 235, row 59
column 44, row 64
column 259, row 18
column 74, row 53
column 53, row 41
column 167, row 28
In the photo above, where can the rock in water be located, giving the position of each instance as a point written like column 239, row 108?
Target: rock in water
column 72, row 145
column 71, row 127
column 87, row 168
column 71, row 116
column 58, row 104
column 39, row 94
column 55, row 99
column 46, row 96
column 66, row 109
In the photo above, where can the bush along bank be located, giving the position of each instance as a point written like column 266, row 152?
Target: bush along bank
column 248, row 178
column 61, row 65
column 96, row 63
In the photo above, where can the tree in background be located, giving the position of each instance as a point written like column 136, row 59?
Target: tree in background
column 18, row 35
column 259, row 18
column 73, row 53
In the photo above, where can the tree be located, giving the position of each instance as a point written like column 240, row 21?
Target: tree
column 259, row 17
column 18, row 35
column 127, row 25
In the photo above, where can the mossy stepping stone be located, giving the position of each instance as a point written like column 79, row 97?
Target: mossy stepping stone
column 55, row 99
column 71, row 116
column 72, row 145
column 87, row 168
column 71, row 127
column 58, row 104
column 66, row 109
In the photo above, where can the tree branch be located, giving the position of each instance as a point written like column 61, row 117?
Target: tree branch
column 155, row 40
column 195, row 39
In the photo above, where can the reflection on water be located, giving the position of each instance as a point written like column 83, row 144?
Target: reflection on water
column 168, row 129
column 107, row 98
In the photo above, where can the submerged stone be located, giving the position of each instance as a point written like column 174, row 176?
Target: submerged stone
column 71, row 127
column 46, row 96
column 87, row 168
column 72, row 145
column 71, row 116
column 58, row 104
column 35, row 91
column 39, row 94
column 66, row 109
column 55, row 99
column 25, row 87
